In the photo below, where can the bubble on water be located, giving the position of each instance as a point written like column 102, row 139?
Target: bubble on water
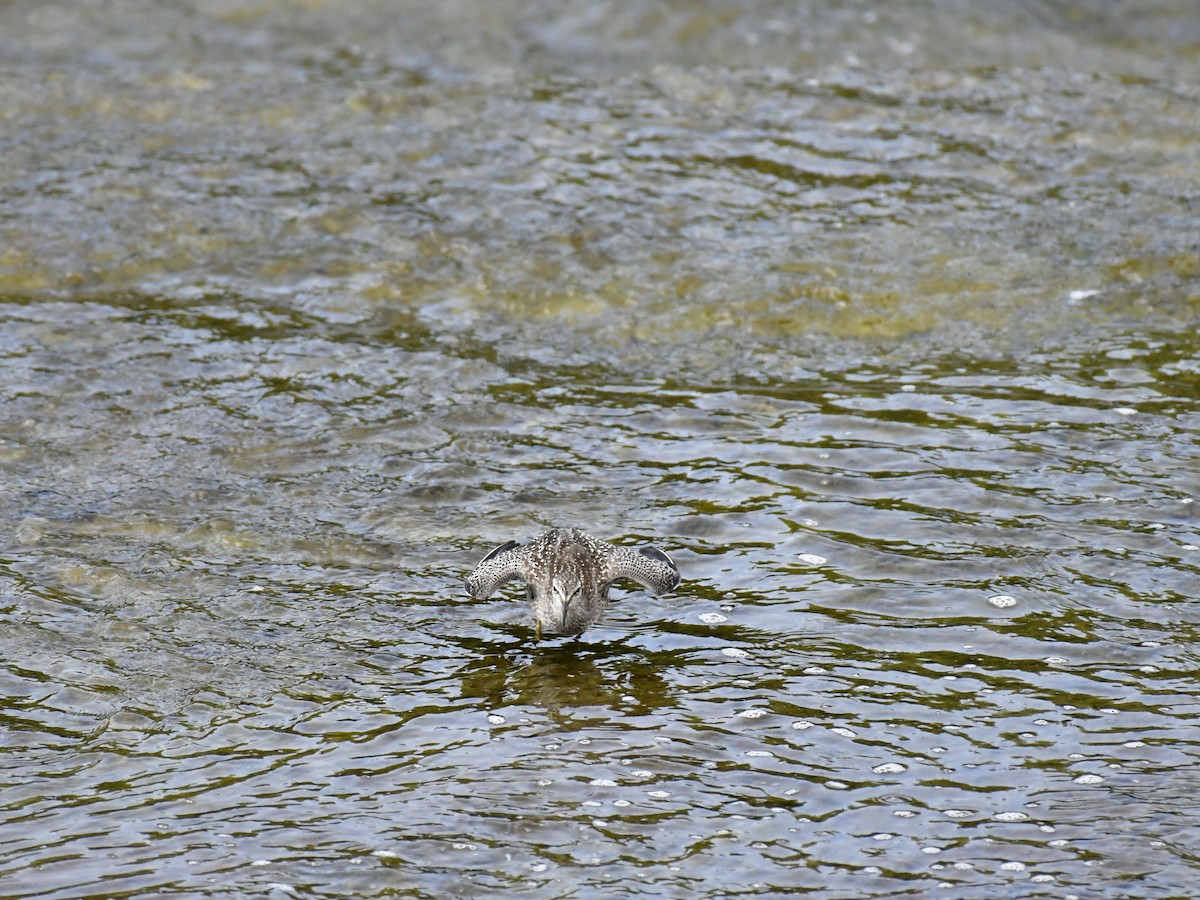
column 937, row 750
column 267, row 862
column 658, row 795
column 1042, row 879
column 603, row 782
column 1046, row 829
column 591, row 802
column 844, row 732
column 871, row 870
column 496, row 719
column 553, row 746
column 752, row 713
column 963, row 866
column 812, row 559
column 641, row 773
column 1041, row 721
column 1013, row 866
column 836, row 785
column 622, row 803
column 908, row 388
column 931, row 850
column 1189, row 547
column 544, row 782
column 1003, row 601
column 759, row 753
column 1056, row 660
column 464, row 846
column 1057, row 842
column 1133, row 745
column 956, row 813
column 883, row 836
column 904, row 814
column 281, row 886
column 711, row 618
column 891, row 768
column 1077, row 295
column 1125, row 411
column 1089, row 779
column 815, row 670
column 1011, row 816
column 538, row 867
column 734, row 652
column 1148, row 670
column 382, row 854
column 802, row 725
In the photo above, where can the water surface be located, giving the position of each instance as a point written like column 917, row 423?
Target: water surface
column 882, row 321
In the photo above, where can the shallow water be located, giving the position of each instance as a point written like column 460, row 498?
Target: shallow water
column 882, row 321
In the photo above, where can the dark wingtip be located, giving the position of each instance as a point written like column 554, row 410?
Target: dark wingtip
column 503, row 548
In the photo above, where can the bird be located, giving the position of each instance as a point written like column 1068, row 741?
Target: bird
column 567, row 574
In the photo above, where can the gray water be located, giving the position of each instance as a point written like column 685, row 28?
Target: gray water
column 880, row 318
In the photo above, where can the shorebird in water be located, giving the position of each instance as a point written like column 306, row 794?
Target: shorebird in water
column 567, row 574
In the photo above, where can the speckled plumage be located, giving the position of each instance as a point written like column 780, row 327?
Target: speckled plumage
column 567, row 573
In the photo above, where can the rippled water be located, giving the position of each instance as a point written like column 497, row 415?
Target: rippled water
column 880, row 319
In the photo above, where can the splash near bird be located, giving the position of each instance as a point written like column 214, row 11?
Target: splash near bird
column 567, row 574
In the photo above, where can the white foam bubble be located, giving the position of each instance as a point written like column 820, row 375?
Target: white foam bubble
column 1089, row 779
column 1002, row 601
column 812, row 559
column 603, row 782
column 752, row 713
column 658, row 795
column 711, row 618
column 1011, row 816
column 759, row 753
column 496, row 719
column 734, row 652
column 1013, row 866
column 891, row 768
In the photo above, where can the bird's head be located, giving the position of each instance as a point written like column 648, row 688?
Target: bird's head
column 566, row 590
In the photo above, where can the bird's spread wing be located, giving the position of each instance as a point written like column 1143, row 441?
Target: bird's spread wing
column 648, row 566
column 503, row 564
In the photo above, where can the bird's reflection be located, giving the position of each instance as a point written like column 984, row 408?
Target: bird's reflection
column 565, row 677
